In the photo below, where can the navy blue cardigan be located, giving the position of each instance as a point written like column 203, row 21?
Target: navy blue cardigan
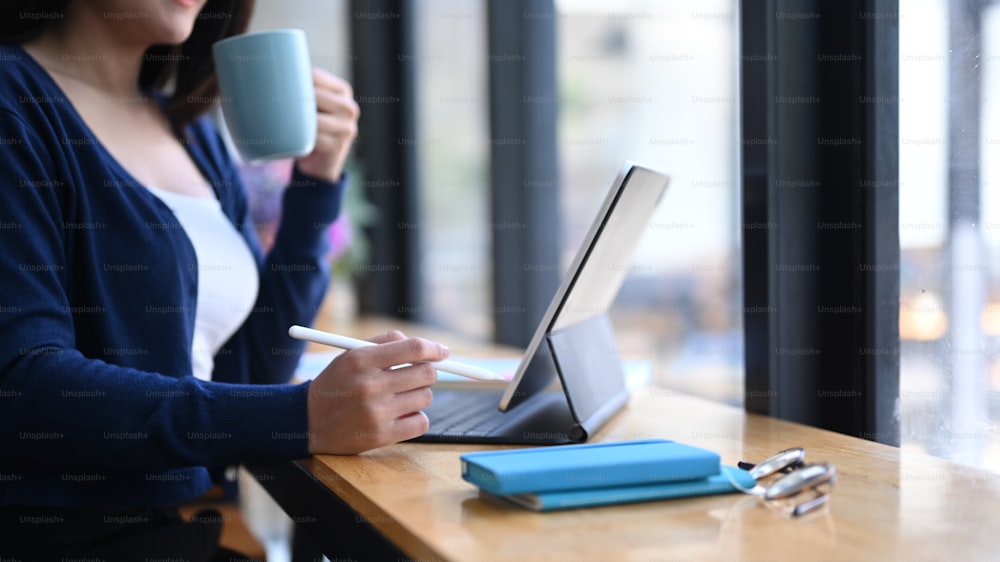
column 98, row 284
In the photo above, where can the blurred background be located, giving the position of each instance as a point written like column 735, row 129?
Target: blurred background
column 658, row 83
column 949, row 227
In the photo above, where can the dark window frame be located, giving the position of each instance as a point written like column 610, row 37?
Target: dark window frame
column 524, row 165
column 381, row 38
column 820, row 129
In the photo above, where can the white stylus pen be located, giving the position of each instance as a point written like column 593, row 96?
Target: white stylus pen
column 344, row 342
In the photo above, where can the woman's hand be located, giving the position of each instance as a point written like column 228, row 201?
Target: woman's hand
column 357, row 403
column 336, row 127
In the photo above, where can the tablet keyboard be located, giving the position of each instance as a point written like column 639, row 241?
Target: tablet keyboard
column 465, row 412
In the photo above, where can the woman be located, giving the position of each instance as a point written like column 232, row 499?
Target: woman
column 138, row 316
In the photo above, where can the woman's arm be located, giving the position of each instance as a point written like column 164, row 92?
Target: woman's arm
column 56, row 403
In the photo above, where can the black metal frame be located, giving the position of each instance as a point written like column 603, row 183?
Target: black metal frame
column 383, row 79
column 524, row 205
column 820, row 199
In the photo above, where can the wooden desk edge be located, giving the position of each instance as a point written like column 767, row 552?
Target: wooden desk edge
column 370, row 513
column 854, row 451
column 865, row 462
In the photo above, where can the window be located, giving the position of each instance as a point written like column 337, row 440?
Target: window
column 949, row 226
column 453, row 163
column 648, row 81
column 656, row 83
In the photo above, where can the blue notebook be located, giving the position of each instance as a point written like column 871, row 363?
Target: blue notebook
column 591, row 465
column 722, row 483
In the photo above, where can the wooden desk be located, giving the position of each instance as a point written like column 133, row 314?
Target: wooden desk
column 888, row 504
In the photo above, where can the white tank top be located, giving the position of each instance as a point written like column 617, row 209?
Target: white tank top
column 227, row 275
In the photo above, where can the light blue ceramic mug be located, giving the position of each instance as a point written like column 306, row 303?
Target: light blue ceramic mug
column 267, row 95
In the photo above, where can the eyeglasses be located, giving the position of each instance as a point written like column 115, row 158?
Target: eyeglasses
column 811, row 481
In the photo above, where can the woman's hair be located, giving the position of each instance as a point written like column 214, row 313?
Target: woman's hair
column 187, row 67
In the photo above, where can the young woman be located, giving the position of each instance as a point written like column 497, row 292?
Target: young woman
column 138, row 316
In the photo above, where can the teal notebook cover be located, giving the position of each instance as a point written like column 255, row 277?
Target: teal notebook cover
column 591, row 465
column 722, row 483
